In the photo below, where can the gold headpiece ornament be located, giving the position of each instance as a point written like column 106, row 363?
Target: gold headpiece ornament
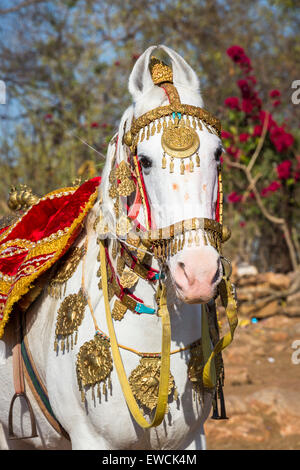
column 160, row 72
column 179, row 138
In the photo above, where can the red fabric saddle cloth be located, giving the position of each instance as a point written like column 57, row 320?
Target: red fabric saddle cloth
column 39, row 238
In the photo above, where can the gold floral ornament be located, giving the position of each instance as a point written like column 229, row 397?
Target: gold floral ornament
column 144, row 382
column 69, row 318
column 94, row 366
column 65, row 272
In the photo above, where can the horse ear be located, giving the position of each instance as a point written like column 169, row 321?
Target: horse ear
column 183, row 74
column 140, row 78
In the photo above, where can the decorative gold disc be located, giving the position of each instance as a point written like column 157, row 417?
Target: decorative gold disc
column 144, row 382
column 180, row 141
column 69, row 316
column 94, row 362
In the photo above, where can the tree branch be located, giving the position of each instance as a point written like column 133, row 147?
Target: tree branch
column 260, row 142
column 20, row 6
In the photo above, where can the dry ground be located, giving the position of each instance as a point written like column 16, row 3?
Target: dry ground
column 262, row 389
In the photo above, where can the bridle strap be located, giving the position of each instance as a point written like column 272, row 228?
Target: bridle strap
column 228, row 300
column 142, row 191
column 165, row 356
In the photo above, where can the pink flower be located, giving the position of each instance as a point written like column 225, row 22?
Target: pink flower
column 234, row 197
column 232, row 102
column 48, row 117
column 245, row 88
column 280, row 139
column 247, row 106
column 274, row 93
column 226, row 135
column 272, row 188
column 252, row 79
column 256, row 101
column 276, row 103
column 242, row 223
column 236, row 53
column 117, row 63
column 233, row 152
column 257, row 131
column 264, row 192
column 284, row 169
column 94, row 125
column 264, row 115
column 244, row 137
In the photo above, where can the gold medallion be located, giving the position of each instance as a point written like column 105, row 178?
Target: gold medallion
column 69, row 318
column 66, row 271
column 180, row 141
column 144, row 382
column 94, row 365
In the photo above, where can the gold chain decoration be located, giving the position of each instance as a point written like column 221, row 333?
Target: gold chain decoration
column 65, row 272
column 69, row 318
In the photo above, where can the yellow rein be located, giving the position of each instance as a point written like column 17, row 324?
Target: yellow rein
column 165, row 355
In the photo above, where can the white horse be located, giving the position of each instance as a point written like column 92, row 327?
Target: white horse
column 192, row 277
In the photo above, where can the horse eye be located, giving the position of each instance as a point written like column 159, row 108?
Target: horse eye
column 145, row 161
column 218, row 154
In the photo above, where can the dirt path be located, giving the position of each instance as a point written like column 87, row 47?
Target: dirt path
column 262, row 389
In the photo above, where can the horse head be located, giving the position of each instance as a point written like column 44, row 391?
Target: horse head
column 165, row 160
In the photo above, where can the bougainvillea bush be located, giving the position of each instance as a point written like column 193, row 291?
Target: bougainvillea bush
column 277, row 167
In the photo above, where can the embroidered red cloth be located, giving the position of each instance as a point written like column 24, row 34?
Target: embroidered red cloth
column 39, row 238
